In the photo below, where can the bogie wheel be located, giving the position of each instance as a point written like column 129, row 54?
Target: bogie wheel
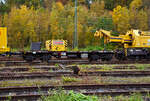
column 103, row 59
column 107, row 58
column 46, row 58
column 137, row 58
column 29, row 58
column 94, row 57
column 120, row 55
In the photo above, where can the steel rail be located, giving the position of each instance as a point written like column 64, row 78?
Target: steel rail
column 54, row 68
column 11, row 76
column 91, row 90
column 52, row 62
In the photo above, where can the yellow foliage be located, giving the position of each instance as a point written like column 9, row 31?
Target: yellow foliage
column 121, row 19
column 29, row 24
column 142, row 20
column 133, row 18
column 138, row 18
column 19, row 24
column 135, row 4
column 59, row 6
column 82, row 1
column 97, row 8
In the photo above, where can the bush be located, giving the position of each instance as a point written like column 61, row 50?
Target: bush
column 61, row 95
column 92, row 48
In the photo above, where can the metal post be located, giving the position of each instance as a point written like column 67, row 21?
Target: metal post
column 75, row 42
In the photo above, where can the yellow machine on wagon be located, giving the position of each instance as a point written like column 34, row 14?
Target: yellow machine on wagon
column 136, row 43
column 56, row 45
column 132, row 39
column 3, row 40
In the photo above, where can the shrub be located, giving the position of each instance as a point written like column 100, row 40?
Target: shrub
column 61, row 95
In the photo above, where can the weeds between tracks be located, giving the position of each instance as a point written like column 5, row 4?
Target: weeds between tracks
column 61, row 95
column 68, row 80
column 72, row 96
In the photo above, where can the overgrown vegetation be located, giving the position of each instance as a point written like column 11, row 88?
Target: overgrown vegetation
column 70, row 96
column 132, row 97
column 112, row 67
column 142, row 66
column 69, row 79
column 61, row 95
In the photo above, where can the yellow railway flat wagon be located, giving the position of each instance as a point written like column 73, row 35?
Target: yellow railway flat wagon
column 3, row 40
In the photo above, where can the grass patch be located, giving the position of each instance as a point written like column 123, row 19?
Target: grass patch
column 125, row 80
column 142, row 66
column 98, row 67
column 132, row 97
column 107, row 67
column 32, row 69
column 92, row 48
column 85, row 66
column 28, row 82
column 69, row 79
column 88, row 48
column 62, row 95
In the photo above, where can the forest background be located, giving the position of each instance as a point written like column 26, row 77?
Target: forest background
column 40, row 20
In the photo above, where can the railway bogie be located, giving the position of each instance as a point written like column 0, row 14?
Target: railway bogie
column 102, row 55
column 34, row 55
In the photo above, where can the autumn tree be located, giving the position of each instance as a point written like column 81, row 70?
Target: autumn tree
column 83, row 28
column 111, row 4
column 56, row 13
column 138, row 16
column 146, row 4
column 20, row 26
column 135, row 17
column 42, row 25
column 134, row 8
column 105, row 23
column 121, row 19
column 97, row 8
column 142, row 18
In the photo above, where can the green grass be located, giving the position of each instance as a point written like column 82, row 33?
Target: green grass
column 132, row 97
column 19, row 49
column 61, row 95
column 125, row 80
column 69, row 79
column 25, row 49
column 142, row 66
column 111, row 67
column 92, row 48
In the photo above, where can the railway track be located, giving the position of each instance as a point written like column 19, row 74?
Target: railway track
column 70, row 61
column 25, row 69
column 32, row 93
column 49, row 75
column 54, row 68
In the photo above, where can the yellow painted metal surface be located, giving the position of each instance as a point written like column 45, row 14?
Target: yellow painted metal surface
column 3, row 40
column 56, row 45
column 132, row 39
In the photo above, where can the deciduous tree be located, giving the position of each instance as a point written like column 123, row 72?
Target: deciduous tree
column 121, row 19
